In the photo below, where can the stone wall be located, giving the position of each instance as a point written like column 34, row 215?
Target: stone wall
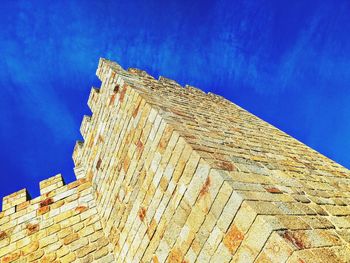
column 62, row 225
column 172, row 174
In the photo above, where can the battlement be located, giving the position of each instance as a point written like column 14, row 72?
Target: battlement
column 20, row 199
column 15, row 199
column 85, row 125
column 172, row 174
column 51, row 184
column 93, row 98
column 63, row 217
column 77, row 152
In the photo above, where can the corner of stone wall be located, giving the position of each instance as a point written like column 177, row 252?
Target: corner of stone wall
column 14, row 199
column 20, row 199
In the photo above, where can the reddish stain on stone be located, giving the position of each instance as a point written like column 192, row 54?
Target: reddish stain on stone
column 98, row 165
column 205, row 187
column 225, row 165
column 112, row 99
column 296, row 240
column 175, row 256
column 142, row 214
column 116, row 88
column 233, row 239
column 32, row 228
column 122, row 94
column 134, row 114
column 139, row 145
column 46, row 202
column 3, row 235
column 7, row 259
column 12, row 257
column 81, row 209
column 43, row 210
column 274, row 190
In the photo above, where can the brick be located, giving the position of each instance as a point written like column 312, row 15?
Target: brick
column 70, row 238
column 275, row 250
column 102, row 242
column 35, row 255
column 63, row 216
column 80, row 209
column 233, row 238
column 33, row 246
column 172, row 174
column 95, row 236
column 106, row 259
column 86, row 231
column 11, row 257
column 211, row 244
column 48, row 240
column 46, row 202
column 32, row 228
column 48, row 258
column 82, row 252
column 303, row 239
column 3, row 235
column 62, row 251
column 75, row 245
column 53, row 229
column 43, row 210
column 68, row 258
column 101, row 253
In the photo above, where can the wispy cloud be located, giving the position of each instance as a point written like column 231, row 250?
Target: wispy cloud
column 283, row 62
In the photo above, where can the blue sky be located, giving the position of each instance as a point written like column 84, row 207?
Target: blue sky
column 288, row 62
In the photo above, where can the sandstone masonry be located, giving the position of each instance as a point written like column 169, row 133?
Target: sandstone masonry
column 172, row 174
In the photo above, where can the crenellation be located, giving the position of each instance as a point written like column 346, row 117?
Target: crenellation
column 172, row 174
column 51, row 184
column 93, row 98
column 79, row 171
column 194, row 90
column 15, row 199
column 141, row 73
column 168, row 82
column 85, row 126
column 46, row 216
column 77, row 152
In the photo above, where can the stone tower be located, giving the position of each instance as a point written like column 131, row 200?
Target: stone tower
column 172, row 174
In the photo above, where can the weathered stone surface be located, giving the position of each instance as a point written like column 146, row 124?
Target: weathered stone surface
column 172, row 174
column 46, row 229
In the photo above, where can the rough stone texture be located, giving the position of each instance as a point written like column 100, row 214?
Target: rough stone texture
column 62, row 225
column 172, row 174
